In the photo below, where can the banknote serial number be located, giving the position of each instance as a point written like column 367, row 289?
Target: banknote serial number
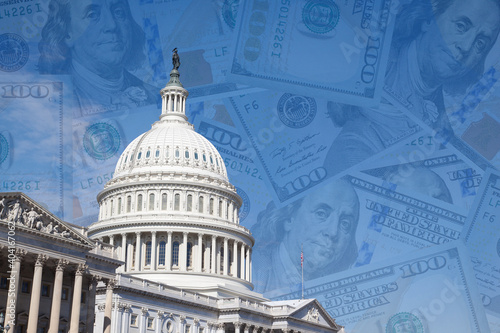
column 280, row 29
column 29, row 185
column 20, row 11
column 242, row 167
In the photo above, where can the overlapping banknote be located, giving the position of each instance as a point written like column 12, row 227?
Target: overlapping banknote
column 330, row 49
column 302, row 141
column 432, row 291
column 111, row 51
column 349, row 222
column 425, row 167
column 35, row 142
column 482, row 237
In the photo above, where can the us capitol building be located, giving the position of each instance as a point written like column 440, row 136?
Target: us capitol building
column 167, row 255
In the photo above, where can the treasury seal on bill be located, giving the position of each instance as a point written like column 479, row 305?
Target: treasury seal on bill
column 245, row 207
column 296, row 111
column 101, row 141
column 320, row 16
column 14, row 52
column 4, row 148
column 404, row 322
column 229, row 12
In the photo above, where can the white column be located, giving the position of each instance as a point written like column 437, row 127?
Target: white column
column 153, row 250
column 138, row 247
column 35, row 293
column 234, row 262
column 112, row 240
column 242, row 261
column 168, row 252
column 55, row 310
column 250, row 264
column 237, row 326
column 247, row 270
column 10, row 312
column 213, row 263
column 108, row 305
column 124, row 251
column 199, row 255
column 226, row 255
column 220, row 328
column 159, row 319
column 183, row 252
column 130, row 255
column 77, row 295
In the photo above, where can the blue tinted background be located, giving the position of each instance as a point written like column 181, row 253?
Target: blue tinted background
column 356, row 132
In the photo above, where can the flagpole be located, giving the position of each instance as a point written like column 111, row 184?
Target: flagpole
column 302, row 265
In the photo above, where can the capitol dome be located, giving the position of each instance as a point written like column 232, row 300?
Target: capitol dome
column 171, row 211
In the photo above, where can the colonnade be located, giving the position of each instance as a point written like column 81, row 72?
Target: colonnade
column 62, row 265
column 183, row 251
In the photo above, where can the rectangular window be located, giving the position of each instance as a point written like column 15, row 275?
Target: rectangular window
column 26, row 287
column 164, row 201
column 151, row 201
column 189, row 206
column 4, row 283
column 119, row 208
column 129, row 203
column 45, row 289
column 187, row 329
column 133, row 320
column 139, row 203
column 65, row 293
column 151, row 323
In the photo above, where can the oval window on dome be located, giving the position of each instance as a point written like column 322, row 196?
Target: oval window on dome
column 211, row 160
column 204, row 158
column 217, row 161
column 126, row 157
column 148, row 153
column 139, row 155
column 186, row 153
column 167, row 153
column 195, row 155
column 177, row 154
column 157, row 154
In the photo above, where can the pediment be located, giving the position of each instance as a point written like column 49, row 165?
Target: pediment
column 312, row 311
column 27, row 214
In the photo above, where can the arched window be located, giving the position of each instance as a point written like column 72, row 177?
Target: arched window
column 119, row 209
column 220, row 208
column 148, row 153
column 189, row 204
column 139, row 202
column 200, row 204
column 148, row 253
column 161, row 259
column 177, row 201
column 211, row 206
column 164, row 201
column 151, row 201
column 157, row 153
column 189, row 259
column 186, row 154
column 129, row 203
column 175, row 254
column 111, row 210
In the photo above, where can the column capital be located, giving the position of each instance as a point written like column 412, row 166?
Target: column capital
column 111, row 284
column 153, row 232
column 124, row 234
column 226, row 239
column 237, row 324
column 81, row 268
column 137, row 233
column 144, row 310
column 169, row 232
column 196, row 321
column 41, row 259
column 61, row 264
column 185, row 233
column 220, row 326
column 182, row 318
column 160, row 314
column 20, row 254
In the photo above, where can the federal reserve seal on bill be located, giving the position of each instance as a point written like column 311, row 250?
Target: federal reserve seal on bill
column 101, row 141
column 404, row 322
column 14, row 52
column 320, row 16
column 229, row 11
column 245, row 207
column 296, row 111
column 4, row 148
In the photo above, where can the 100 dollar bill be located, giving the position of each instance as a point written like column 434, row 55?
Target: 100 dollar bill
column 429, row 291
column 332, row 49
